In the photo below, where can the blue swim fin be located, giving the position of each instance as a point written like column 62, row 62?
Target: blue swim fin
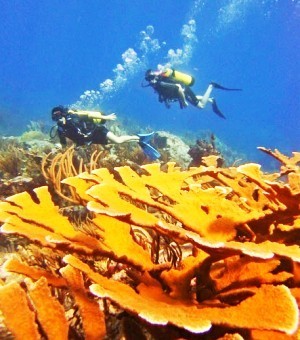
column 146, row 137
column 149, row 151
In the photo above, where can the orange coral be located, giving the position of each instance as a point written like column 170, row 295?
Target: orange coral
column 238, row 271
column 62, row 166
column 92, row 317
column 233, row 233
column 50, row 312
column 18, row 316
column 156, row 307
column 15, row 266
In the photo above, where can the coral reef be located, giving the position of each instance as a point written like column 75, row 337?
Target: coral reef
column 36, row 130
column 20, row 165
column 174, row 149
column 206, row 253
column 209, row 142
column 202, row 149
column 21, row 157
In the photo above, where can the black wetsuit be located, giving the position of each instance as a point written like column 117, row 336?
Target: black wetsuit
column 167, row 90
column 81, row 131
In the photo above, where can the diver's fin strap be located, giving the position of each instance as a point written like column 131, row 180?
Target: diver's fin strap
column 220, row 87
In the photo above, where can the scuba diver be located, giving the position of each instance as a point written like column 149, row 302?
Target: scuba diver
column 172, row 85
column 88, row 127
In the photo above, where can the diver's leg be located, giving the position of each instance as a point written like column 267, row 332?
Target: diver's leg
column 121, row 139
column 205, row 98
column 190, row 96
column 181, row 96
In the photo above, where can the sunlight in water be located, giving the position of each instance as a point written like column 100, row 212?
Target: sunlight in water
column 235, row 10
column 132, row 62
column 136, row 60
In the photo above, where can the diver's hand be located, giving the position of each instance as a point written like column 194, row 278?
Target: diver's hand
column 111, row 116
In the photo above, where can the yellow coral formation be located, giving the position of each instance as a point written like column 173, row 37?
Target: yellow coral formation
column 18, row 316
column 49, row 311
column 199, row 249
column 92, row 317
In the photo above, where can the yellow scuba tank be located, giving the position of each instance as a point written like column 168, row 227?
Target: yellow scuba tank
column 183, row 78
column 95, row 116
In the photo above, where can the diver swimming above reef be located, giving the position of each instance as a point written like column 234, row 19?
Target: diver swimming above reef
column 172, row 85
column 88, row 127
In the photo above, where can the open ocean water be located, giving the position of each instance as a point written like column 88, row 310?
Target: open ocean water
column 94, row 53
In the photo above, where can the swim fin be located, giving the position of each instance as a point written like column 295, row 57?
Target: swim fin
column 146, row 137
column 220, row 87
column 216, row 109
column 149, row 150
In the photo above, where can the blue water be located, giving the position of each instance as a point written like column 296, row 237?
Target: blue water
column 93, row 53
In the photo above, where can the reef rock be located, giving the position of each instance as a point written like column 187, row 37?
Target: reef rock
column 176, row 148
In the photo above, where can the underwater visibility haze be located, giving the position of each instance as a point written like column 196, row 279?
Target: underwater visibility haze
column 93, row 54
column 114, row 242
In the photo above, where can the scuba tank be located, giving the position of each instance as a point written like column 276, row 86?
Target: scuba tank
column 183, row 78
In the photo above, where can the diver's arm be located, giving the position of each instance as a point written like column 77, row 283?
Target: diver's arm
column 111, row 116
column 94, row 114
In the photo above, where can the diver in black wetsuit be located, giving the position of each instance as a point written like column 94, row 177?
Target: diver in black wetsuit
column 87, row 127
column 172, row 85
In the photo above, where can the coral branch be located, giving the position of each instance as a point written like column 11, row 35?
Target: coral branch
column 19, row 318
